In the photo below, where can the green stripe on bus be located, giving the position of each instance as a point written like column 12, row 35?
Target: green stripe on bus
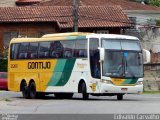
column 133, row 81
column 57, row 72
column 75, row 37
column 62, row 72
column 130, row 81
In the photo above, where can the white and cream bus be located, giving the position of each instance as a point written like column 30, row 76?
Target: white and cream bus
column 68, row 63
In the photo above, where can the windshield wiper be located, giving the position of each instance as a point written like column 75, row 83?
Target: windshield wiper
column 128, row 70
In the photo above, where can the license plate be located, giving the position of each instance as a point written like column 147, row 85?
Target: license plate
column 124, row 89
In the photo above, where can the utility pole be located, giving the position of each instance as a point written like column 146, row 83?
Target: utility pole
column 75, row 15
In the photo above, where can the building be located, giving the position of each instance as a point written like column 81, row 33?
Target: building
column 35, row 21
column 7, row 3
column 14, row 3
column 143, row 16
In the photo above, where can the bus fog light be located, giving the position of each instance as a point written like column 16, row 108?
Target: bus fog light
column 139, row 83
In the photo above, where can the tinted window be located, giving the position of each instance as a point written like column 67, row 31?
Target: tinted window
column 81, row 48
column 44, row 50
column 68, row 48
column 121, row 44
column 33, row 49
column 94, row 57
column 14, row 51
column 23, row 51
column 56, row 49
column 130, row 45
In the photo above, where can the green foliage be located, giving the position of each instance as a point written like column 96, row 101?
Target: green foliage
column 154, row 3
column 3, row 60
column 151, row 92
column 146, row 2
column 6, row 99
column 3, row 65
column 149, row 2
column 158, row 22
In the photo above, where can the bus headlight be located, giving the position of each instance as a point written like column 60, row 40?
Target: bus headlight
column 139, row 83
column 106, row 81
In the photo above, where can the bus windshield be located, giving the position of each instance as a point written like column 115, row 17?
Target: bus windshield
column 122, row 61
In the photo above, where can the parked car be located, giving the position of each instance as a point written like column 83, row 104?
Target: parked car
column 3, row 81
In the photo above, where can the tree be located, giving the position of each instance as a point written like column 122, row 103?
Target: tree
column 154, row 3
column 149, row 2
column 158, row 22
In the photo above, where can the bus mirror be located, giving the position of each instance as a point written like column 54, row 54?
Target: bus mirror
column 146, row 56
column 101, row 51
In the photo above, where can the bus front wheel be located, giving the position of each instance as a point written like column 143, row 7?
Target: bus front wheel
column 25, row 90
column 85, row 95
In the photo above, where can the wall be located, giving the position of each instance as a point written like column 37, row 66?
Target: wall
column 152, row 80
column 142, row 16
column 25, row 30
column 7, row 3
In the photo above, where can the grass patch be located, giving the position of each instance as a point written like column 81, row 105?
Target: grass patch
column 151, row 92
column 6, row 99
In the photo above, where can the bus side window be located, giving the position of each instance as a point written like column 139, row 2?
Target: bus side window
column 23, row 50
column 81, row 48
column 14, row 51
column 94, row 57
column 44, row 50
column 22, row 55
column 33, row 49
column 67, row 54
column 56, row 49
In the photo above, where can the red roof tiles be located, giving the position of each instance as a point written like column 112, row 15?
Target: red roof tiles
column 89, row 16
column 125, row 4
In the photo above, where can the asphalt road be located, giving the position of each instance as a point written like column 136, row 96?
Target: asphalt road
column 12, row 102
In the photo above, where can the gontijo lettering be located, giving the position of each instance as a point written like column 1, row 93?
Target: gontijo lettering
column 39, row 65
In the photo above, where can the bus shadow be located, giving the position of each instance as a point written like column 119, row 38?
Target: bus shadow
column 80, row 99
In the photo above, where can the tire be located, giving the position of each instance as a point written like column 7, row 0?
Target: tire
column 120, row 97
column 85, row 95
column 63, row 95
column 25, row 90
column 32, row 90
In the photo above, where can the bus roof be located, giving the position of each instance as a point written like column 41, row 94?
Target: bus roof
column 71, row 35
column 113, row 36
column 51, row 37
column 66, row 34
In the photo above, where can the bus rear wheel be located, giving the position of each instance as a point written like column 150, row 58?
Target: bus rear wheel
column 120, row 97
column 25, row 90
column 85, row 95
column 32, row 90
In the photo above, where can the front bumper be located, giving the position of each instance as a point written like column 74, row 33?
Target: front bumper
column 109, row 88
